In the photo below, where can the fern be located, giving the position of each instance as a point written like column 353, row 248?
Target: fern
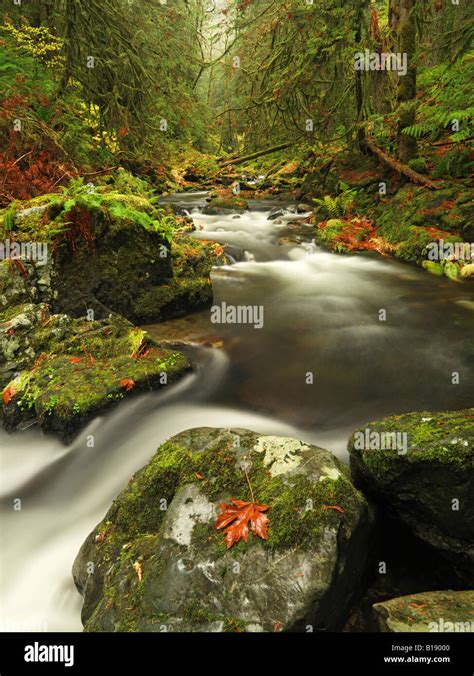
column 447, row 92
column 335, row 207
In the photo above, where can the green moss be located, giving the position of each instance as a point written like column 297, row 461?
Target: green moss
column 80, row 373
column 8, row 313
column 331, row 229
column 434, row 268
column 418, row 164
column 299, row 509
column 232, row 203
column 416, row 611
column 441, row 438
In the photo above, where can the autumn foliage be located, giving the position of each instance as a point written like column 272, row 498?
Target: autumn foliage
column 127, row 384
column 236, row 516
column 9, row 393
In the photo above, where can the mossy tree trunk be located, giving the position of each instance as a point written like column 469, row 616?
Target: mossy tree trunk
column 359, row 90
column 402, row 24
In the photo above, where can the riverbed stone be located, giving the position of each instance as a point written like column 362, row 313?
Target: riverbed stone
column 225, row 205
column 434, row 611
column 61, row 372
column 160, row 564
column 275, row 213
column 420, row 466
column 108, row 253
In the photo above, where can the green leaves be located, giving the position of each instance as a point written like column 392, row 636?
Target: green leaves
column 335, row 207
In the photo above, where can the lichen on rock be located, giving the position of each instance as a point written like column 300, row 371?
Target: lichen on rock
column 304, row 575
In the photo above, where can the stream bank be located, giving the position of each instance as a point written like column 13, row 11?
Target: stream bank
column 322, row 319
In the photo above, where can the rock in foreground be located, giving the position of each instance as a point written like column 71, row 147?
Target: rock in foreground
column 421, row 466
column 437, row 611
column 157, row 562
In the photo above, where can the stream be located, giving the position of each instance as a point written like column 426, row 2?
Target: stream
column 320, row 323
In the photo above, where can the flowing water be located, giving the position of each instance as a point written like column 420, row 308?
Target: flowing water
column 321, row 364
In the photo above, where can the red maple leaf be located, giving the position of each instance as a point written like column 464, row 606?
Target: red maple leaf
column 127, row 383
column 237, row 515
column 8, row 394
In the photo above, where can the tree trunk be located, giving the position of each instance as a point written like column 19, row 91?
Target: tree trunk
column 401, row 168
column 402, row 24
column 359, row 92
column 253, row 156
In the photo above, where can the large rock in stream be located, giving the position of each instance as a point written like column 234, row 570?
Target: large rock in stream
column 420, row 466
column 61, row 372
column 110, row 253
column 157, row 562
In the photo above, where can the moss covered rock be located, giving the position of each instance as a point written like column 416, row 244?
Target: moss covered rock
column 421, row 467
column 107, row 252
column 434, row 611
column 223, row 205
column 61, row 372
column 189, row 288
column 156, row 562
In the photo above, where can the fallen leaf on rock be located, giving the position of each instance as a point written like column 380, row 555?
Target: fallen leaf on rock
column 127, row 383
column 8, row 394
column 237, row 515
column 336, row 507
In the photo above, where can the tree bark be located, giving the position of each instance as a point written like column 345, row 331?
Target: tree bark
column 402, row 24
column 359, row 92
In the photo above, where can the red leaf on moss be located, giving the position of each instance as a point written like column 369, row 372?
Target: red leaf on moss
column 336, row 507
column 127, row 383
column 236, row 516
column 8, row 394
column 75, row 360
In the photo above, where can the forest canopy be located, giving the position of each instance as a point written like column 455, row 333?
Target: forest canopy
column 93, row 83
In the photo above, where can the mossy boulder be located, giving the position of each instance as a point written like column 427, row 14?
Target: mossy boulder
column 108, row 252
column 156, row 562
column 434, row 611
column 223, row 205
column 421, row 467
column 433, row 267
column 61, row 372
